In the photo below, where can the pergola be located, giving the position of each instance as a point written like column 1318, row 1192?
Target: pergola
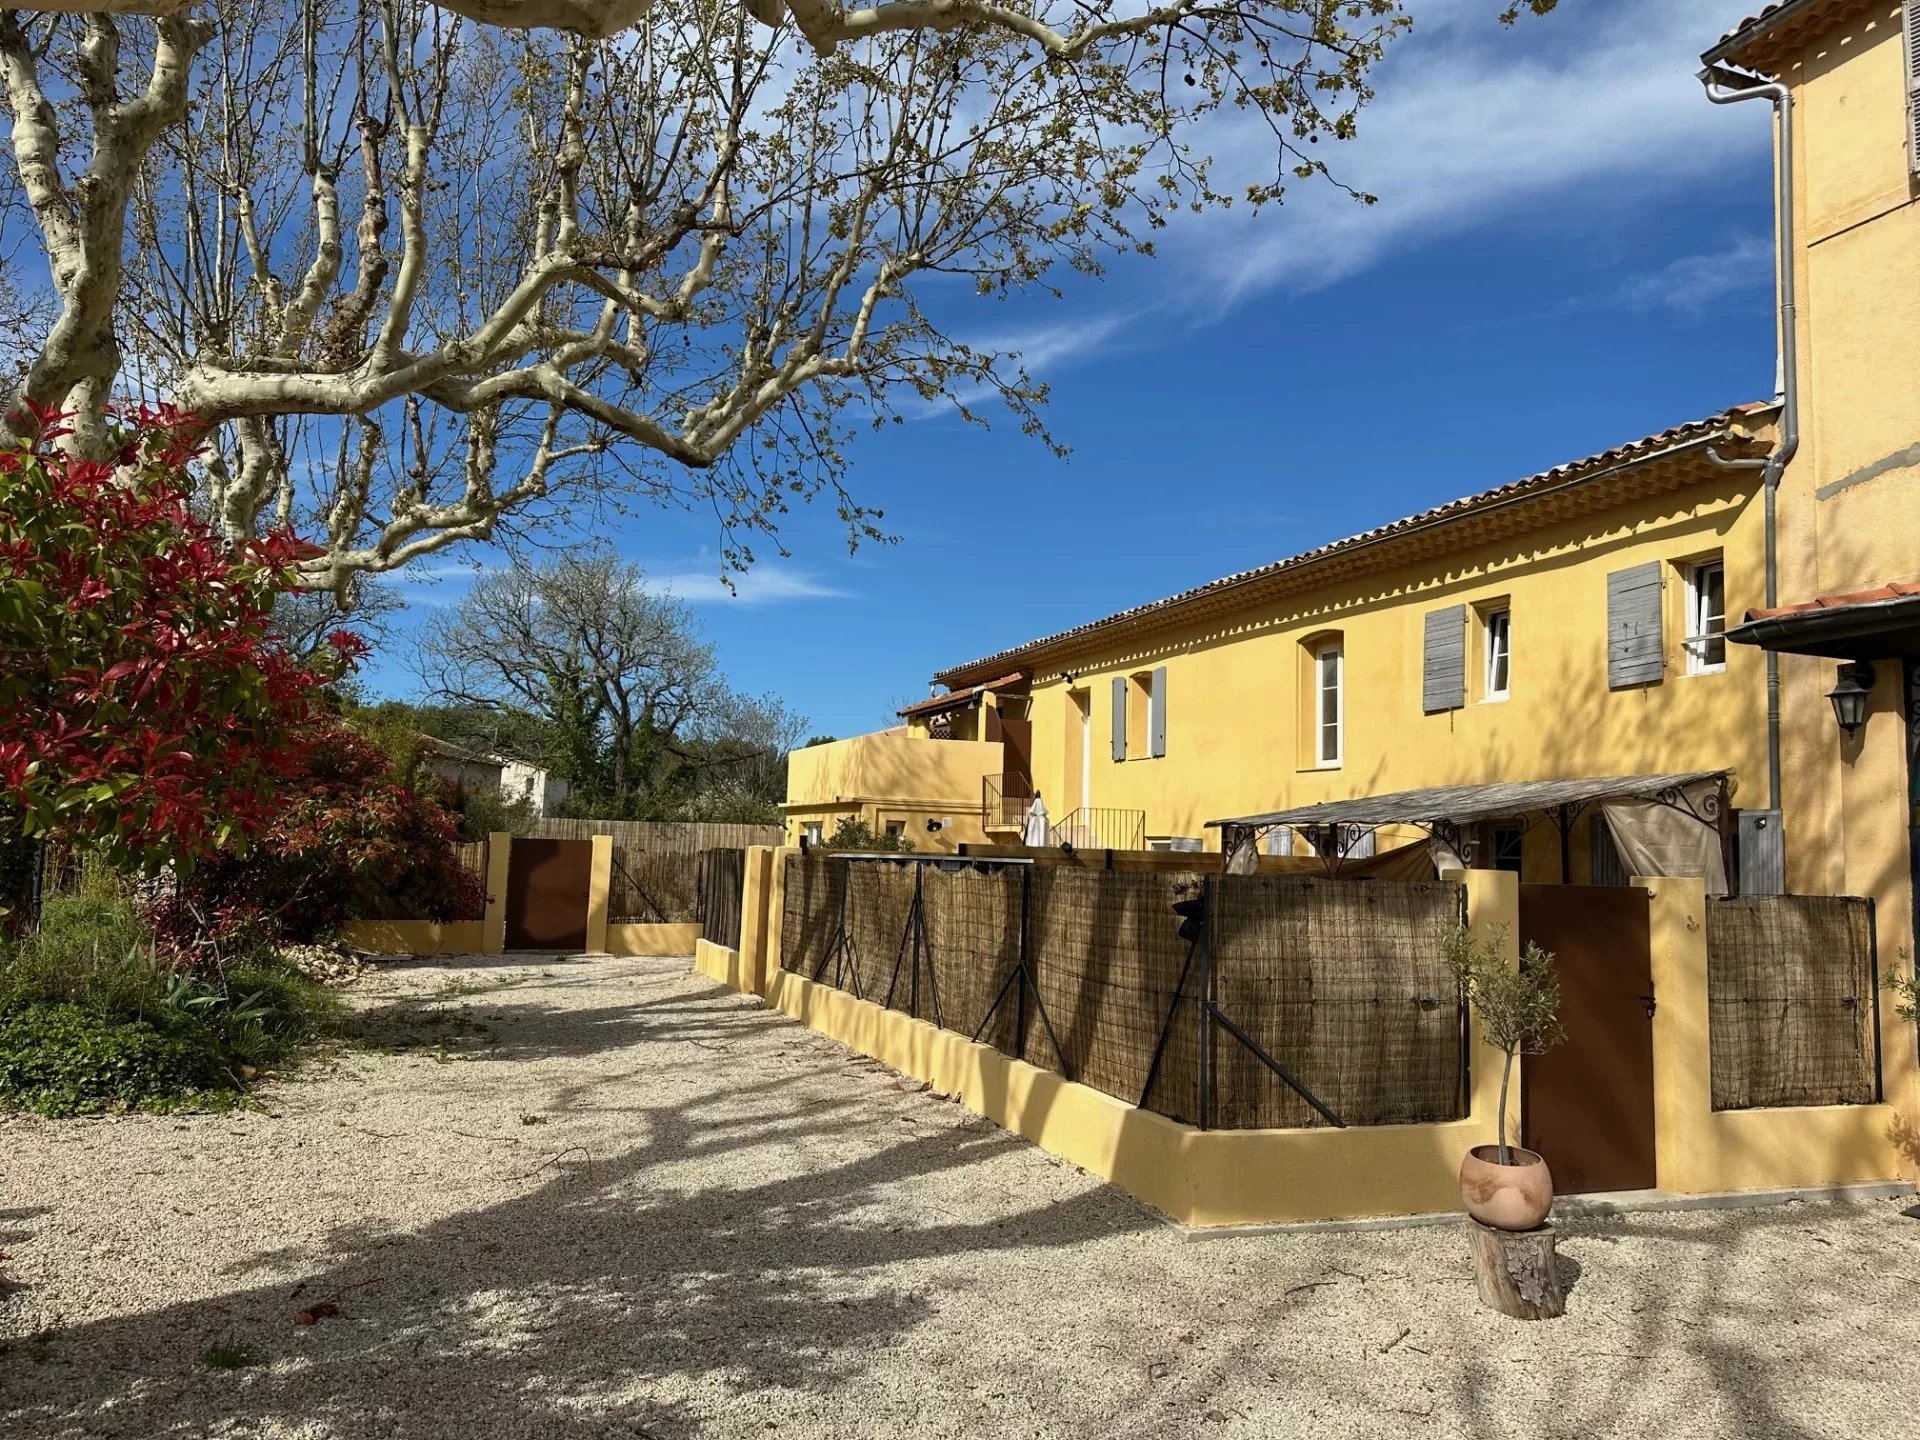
column 1446, row 812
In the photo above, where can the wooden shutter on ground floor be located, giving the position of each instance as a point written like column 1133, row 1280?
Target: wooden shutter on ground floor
column 1157, row 713
column 1443, row 674
column 1119, row 717
column 1635, row 651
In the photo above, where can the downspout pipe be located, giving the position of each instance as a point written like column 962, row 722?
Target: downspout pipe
column 1728, row 87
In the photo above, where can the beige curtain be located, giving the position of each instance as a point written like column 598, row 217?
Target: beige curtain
column 1655, row 839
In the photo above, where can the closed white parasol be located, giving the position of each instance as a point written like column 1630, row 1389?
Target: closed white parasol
column 1034, row 832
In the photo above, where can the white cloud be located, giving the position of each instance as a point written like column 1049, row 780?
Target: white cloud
column 1693, row 282
column 1477, row 124
column 761, row 585
column 1581, row 115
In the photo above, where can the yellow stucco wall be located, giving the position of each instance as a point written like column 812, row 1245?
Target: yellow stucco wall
column 1850, row 502
column 891, row 776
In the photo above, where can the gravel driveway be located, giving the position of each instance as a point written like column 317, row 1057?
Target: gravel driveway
column 603, row 1198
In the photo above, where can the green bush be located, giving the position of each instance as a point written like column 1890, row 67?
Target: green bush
column 67, row 1059
column 91, row 1018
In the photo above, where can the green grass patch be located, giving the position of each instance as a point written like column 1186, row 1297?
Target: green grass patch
column 92, row 1019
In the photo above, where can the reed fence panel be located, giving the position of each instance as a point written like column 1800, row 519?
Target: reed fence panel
column 1087, row 973
column 1791, row 996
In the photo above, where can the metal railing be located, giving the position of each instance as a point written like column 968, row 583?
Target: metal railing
column 1101, row 827
column 1005, row 800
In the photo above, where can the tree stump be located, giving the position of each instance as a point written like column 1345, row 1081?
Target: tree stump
column 1516, row 1271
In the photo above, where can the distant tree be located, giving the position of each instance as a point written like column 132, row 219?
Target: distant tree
column 814, row 740
column 638, row 718
column 305, row 618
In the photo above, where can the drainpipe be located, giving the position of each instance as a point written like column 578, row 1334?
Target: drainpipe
column 1728, row 87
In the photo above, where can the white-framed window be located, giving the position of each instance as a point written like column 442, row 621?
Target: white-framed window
column 1706, row 642
column 1329, row 703
column 1497, row 642
column 896, row 827
column 1280, row 840
column 810, row 832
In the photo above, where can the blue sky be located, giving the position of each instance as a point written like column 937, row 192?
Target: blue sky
column 1571, row 249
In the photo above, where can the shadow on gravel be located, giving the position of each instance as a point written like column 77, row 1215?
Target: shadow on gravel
column 570, row 1310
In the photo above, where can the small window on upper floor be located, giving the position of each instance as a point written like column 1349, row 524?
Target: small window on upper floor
column 896, row 828
column 1706, row 642
column 1496, row 644
column 1329, row 703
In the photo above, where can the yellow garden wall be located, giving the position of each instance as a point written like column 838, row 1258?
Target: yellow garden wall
column 678, row 938
column 417, row 937
column 1701, row 1151
column 1237, row 1177
column 1201, row 1178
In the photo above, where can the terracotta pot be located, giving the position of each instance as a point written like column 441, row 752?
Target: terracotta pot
column 1507, row 1197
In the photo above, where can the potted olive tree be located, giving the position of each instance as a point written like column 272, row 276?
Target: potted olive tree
column 1503, row 1185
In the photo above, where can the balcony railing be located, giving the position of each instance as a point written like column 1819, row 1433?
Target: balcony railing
column 1099, row 827
column 1005, row 800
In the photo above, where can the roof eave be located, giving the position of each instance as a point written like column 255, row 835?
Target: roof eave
column 1874, row 630
column 1732, row 425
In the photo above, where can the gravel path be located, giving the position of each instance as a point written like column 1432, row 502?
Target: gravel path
column 603, row 1198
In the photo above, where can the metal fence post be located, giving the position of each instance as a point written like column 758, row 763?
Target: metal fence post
column 1020, row 1000
column 1206, row 1002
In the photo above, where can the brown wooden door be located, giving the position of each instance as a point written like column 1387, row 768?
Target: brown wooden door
column 1587, row 1105
column 547, row 883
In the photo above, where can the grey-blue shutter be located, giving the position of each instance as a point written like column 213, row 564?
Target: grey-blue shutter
column 1443, row 674
column 1910, row 24
column 1119, row 717
column 1635, row 652
column 1280, row 840
column 1157, row 713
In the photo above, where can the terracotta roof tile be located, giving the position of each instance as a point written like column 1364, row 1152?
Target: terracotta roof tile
column 1592, row 465
column 1782, row 15
column 1898, row 590
column 933, row 705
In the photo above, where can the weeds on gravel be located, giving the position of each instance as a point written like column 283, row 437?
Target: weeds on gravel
column 229, row 1355
column 92, row 1017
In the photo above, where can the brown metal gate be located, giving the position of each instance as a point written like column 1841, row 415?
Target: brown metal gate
column 1587, row 1105
column 547, row 883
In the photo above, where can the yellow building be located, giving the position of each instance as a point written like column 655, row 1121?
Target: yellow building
column 1563, row 625
column 1693, row 659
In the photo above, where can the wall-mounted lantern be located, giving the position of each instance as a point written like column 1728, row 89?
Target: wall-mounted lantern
column 1849, row 696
